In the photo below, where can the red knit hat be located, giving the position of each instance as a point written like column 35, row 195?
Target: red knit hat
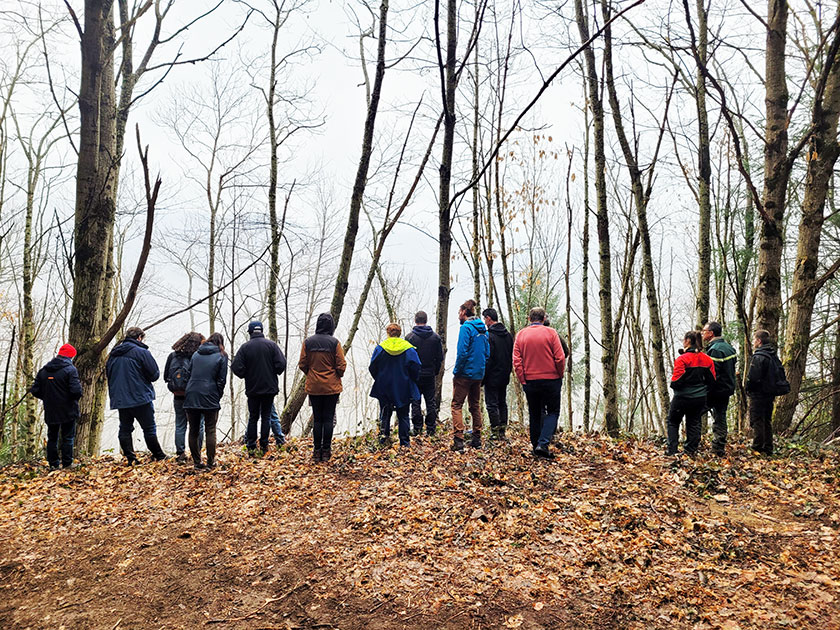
column 67, row 351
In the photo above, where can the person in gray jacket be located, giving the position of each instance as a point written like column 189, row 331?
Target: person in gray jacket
column 208, row 373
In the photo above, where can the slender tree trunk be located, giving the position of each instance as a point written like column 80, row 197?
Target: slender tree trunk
column 587, row 343
column 835, row 385
column 274, row 224
column 776, row 171
column 342, row 281
column 611, row 421
column 444, row 213
column 95, row 205
column 823, row 151
column 28, row 430
column 476, row 210
column 704, row 174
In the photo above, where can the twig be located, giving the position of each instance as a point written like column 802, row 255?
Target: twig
column 117, row 625
column 258, row 610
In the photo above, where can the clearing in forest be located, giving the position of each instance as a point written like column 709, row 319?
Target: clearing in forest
column 609, row 535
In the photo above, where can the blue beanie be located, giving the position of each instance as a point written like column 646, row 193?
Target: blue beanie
column 255, row 326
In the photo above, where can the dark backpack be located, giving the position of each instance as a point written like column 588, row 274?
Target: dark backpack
column 779, row 381
column 179, row 374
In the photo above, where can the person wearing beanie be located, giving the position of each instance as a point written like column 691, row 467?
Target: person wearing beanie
column 322, row 360
column 259, row 361
column 57, row 384
column 131, row 370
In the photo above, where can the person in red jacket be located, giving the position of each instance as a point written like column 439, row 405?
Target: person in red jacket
column 539, row 363
column 694, row 373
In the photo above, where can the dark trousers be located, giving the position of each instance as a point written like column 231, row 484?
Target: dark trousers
column 209, row 417
column 543, row 398
column 323, row 412
column 692, row 410
column 717, row 405
column 761, row 416
column 259, row 409
column 145, row 416
column 495, row 398
column 403, row 422
column 66, row 431
column 426, row 384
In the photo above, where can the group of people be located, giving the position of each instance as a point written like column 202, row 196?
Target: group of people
column 405, row 373
column 705, row 381
column 405, row 370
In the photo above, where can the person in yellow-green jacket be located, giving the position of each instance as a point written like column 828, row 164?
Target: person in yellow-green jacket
column 395, row 368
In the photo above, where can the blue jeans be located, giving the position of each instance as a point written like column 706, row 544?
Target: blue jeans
column 403, row 422
column 181, row 428
column 543, row 398
column 276, row 428
column 67, row 432
column 145, row 416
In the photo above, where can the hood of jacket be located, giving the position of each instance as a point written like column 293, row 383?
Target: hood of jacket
column 423, row 331
column 476, row 323
column 57, row 364
column 325, row 324
column 769, row 349
column 208, row 348
column 498, row 329
column 395, row 345
column 126, row 346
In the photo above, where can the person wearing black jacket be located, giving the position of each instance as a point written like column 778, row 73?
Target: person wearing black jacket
column 724, row 357
column 131, row 370
column 57, row 384
column 497, row 373
column 259, row 361
column 762, row 382
column 430, row 350
column 208, row 373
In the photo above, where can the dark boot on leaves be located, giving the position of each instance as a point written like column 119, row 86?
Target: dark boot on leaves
column 458, row 445
column 475, row 441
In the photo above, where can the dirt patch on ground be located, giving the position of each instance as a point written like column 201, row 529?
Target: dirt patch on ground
column 609, row 535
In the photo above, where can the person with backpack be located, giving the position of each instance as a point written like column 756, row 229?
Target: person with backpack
column 497, row 373
column 717, row 400
column 202, row 400
column 765, row 380
column 539, row 363
column 470, row 363
column 131, row 370
column 430, row 350
column 176, row 374
column 395, row 368
column 57, row 384
column 259, row 361
column 693, row 376
column 322, row 360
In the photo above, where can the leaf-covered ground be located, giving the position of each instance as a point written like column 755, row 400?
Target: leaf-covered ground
column 609, row 535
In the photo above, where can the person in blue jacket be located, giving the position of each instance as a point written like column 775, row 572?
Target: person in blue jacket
column 131, row 370
column 395, row 368
column 57, row 384
column 473, row 352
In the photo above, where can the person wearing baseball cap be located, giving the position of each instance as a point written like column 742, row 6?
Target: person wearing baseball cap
column 57, row 384
column 259, row 361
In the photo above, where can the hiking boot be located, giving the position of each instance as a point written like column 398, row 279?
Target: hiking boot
column 53, row 467
column 326, row 453
column 181, row 458
column 458, row 445
column 430, row 432
column 70, row 466
column 543, row 453
column 316, row 455
column 161, row 458
column 475, row 441
column 200, row 467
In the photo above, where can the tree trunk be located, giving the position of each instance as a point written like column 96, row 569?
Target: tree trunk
column 704, row 174
column 611, row 421
column 95, row 206
column 823, row 151
column 587, row 349
column 274, row 224
column 776, row 171
column 448, row 88
column 342, row 281
column 835, row 385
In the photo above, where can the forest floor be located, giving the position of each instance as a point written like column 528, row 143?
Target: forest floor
column 609, row 535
